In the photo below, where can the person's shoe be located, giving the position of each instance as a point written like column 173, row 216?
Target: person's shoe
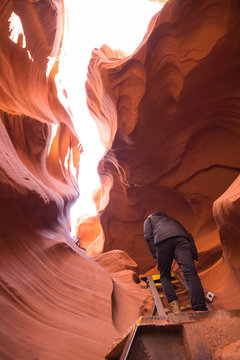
column 174, row 307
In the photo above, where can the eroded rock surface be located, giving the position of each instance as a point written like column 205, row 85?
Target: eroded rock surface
column 56, row 303
column 169, row 117
column 172, row 116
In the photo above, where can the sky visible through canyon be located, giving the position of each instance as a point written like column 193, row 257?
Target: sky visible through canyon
column 119, row 24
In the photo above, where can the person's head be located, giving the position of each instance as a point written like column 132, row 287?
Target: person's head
column 159, row 213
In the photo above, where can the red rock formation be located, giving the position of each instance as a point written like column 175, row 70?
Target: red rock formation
column 56, row 303
column 170, row 114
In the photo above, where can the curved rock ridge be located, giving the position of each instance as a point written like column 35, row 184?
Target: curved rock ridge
column 32, row 162
column 56, row 303
column 170, row 116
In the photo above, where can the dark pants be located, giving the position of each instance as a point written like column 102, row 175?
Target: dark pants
column 180, row 249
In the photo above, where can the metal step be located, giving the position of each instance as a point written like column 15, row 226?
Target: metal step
column 181, row 336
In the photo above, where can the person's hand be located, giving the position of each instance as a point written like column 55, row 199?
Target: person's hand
column 196, row 262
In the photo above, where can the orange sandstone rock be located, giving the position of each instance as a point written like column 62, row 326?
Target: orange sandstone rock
column 56, row 303
column 170, row 115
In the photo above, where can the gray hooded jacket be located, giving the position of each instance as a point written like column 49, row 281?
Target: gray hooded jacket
column 158, row 227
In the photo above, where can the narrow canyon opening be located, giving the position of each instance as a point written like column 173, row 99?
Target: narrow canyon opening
column 98, row 18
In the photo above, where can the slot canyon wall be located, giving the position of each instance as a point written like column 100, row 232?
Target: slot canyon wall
column 175, row 104
column 55, row 302
column 169, row 116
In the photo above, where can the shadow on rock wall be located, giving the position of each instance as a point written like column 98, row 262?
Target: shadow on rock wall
column 171, row 111
column 56, row 303
column 169, row 117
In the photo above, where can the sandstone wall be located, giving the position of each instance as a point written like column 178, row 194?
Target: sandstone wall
column 169, row 116
column 172, row 114
column 55, row 302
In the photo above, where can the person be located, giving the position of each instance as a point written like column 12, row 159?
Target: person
column 167, row 239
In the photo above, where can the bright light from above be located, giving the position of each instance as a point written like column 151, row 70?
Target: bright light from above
column 17, row 33
column 16, row 29
column 92, row 23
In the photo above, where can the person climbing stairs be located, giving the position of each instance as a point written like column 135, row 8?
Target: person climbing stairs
column 160, row 304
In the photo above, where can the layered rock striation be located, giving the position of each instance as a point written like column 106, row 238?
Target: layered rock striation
column 172, row 119
column 56, row 303
column 169, row 118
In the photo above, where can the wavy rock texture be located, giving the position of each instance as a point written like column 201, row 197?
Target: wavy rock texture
column 170, row 113
column 169, row 117
column 56, row 303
